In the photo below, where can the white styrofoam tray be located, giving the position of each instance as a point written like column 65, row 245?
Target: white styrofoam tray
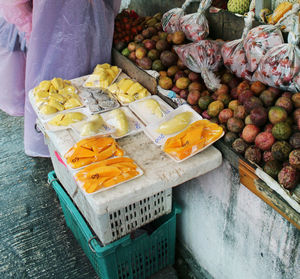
column 135, row 125
column 143, row 113
column 160, row 139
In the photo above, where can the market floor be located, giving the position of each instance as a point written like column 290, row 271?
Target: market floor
column 34, row 239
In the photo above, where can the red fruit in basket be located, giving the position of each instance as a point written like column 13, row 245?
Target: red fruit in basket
column 296, row 100
column 132, row 46
column 145, row 63
column 250, row 132
column 267, row 97
column 155, row 38
column 288, row 177
column 233, row 104
column 168, row 58
column 274, row 90
column 234, row 82
column 140, row 52
column 294, row 159
column 169, row 38
column 243, row 96
column 178, row 38
column 172, row 70
column 233, row 93
column 184, row 93
column 226, row 78
column 224, row 115
column 295, row 140
column 183, row 82
column 195, row 86
column 146, row 33
column 132, row 56
column 205, row 115
column 253, row 154
column 267, row 156
column 287, row 95
column 239, row 145
column 181, row 65
column 264, row 141
column 268, row 128
column 257, row 87
column 252, row 103
column 243, row 86
column 240, row 112
column 162, row 45
column 277, row 114
column 153, row 54
column 179, row 75
column 223, row 89
column 259, row 116
column 235, row 125
column 193, row 97
column 176, row 90
column 205, row 93
column 286, row 103
column 150, row 44
column 193, row 76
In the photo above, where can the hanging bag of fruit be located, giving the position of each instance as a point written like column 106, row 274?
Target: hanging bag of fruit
column 195, row 26
column 262, row 38
column 170, row 19
column 280, row 66
column 203, row 57
column 234, row 55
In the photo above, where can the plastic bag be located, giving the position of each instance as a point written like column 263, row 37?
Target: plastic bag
column 170, row 19
column 280, row 67
column 234, row 55
column 19, row 13
column 69, row 38
column 195, row 26
column 203, row 57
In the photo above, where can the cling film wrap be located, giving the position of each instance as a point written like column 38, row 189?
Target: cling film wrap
column 280, row 67
column 234, row 55
column 195, row 26
column 170, row 19
column 203, row 57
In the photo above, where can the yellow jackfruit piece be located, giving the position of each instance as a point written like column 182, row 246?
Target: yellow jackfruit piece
column 125, row 84
column 176, row 124
column 56, row 104
column 111, row 73
column 46, row 109
column 113, row 88
column 72, row 103
column 67, row 119
column 142, row 94
column 66, row 82
column 104, row 83
column 124, row 98
column 42, row 94
column 115, row 69
column 135, row 88
column 52, row 89
column 58, row 83
column 121, row 122
column 153, row 106
column 58, row 97
column 45, row 85
column 93, row 126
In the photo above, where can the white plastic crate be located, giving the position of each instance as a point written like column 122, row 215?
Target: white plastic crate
column 113, row 225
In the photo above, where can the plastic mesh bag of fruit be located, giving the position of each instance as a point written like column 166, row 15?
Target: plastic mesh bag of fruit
column 280, row 66
column 195, row 26
column 203, row 57
column 234, row 55
column 262, row 38
column 170, row 19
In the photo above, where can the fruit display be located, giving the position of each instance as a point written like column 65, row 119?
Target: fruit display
column 102, row 76
column 234, row 55
column 175, row 124
column 197, row 136
column 55, row 95
column 98, row 100
column 279, row 67
column 92, row 150
column 195, row 26
column 106, row 173
column 66, row 119
column 126, row 90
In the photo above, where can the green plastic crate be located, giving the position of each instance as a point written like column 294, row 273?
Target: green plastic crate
column 125, row 258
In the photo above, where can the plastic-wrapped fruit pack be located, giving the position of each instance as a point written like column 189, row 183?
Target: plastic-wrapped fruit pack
column 170, row 19
column 202, row 57
column 280, row 67
column 234, row 55
column 195, row 26
column 258, row 41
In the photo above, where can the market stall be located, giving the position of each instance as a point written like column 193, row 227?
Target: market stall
column 121, row 138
